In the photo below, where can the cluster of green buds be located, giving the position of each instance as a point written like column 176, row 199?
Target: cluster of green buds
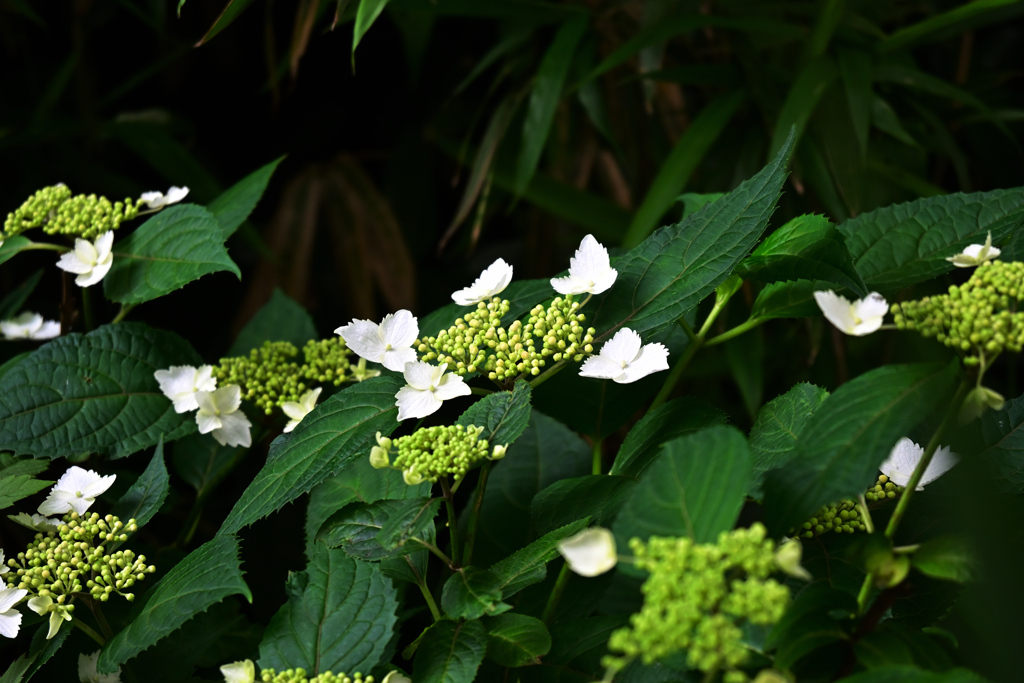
column 430, row 453
column 844, row 517
column 300, row 676
column 57, row 211
column 697, row 598
column 327, row 361
column 978, row 318
column 74, row 558
column 478, row 342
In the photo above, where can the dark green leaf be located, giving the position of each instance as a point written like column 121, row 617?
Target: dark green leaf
column 857, row 73
column 12, row 467
column 328, row 440
column 949, row 23
column 14, row 488
column 13, row 246
column 471, row 593
column 910, row 674
column 504, row 415
column 354, row 529
column 280, row 319
column 202, row 462
column 595, row 496
column 528, row 565
column 206, row 576
column 1002, row 445
column 517, row 640
column 233, row 206
column 228, row 15
column 12, row 303
column 793, row 299
column 675, row 418
column 802, row 99
column 366, row 14
column 894, row 643
column 946, row 557
column 694, row 489
column 693, row 201
column 578, row 645
column 171, row 249
column 842, row 445
column 885, row 119
column 745, row 355
column 409, row 520
column 778, row 426
column 450, row 652
column 814, row 619
column 147, row 494
column 94, row 393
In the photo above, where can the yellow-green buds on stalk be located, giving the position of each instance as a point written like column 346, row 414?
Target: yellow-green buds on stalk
column 433, row 452
column 841, row 517
column 58, row 212
column 560, row 330
column 299, row 676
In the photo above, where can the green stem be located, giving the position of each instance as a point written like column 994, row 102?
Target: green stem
column 556, row 593
column 474, row 515
column 88, row 630
column 434, row 550
column 481, row 391
column 735, row 332
column 865, row 514
column 97, row 612
column 45, row 246
column 125, row 309
column 87, row 309
column 710, row 675
column 596, row 466
column 453, row 523
column 546, row 375
column 675, row 373
column 687, row 329
column 436, row 613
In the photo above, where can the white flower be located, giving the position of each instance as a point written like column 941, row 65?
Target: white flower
column 389, row 343
column 491, row 282
column 859, row 318
column 90, row 260
column 219, row 413
column 976, row 254
column 87, row 672
column 590, row 270
column 427, row 386
column 158, row 200
column 396, row 676
column 10, row 618
column 180, row 383
column 34, row 522
column 29, row 326
column 788, row 556
column 903, row 459
column 58, row 613
column 590, row 552
column 297, row 411
column 3, row 563
column 624, row 360
column 75, row 490
column 239, row 672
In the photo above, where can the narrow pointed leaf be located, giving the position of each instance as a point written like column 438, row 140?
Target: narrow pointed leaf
column 597, row 497
column 802, row 100
column 366, row 14
column 517, row 640
column 778, row 426
column 280, row 319
column 233, row 206
column 504, row 415
column 471, row 593
column 228, row 15
column 528, row 565
column 148, row 493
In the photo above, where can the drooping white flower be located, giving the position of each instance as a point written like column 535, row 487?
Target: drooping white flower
column 87, row 672
column 10, row 618
column 591, row 552
column 859, row 318
column 34, row 522
column 491, row 282
column 181, row 383
column 590, row 270
column 75, row 490
column 298, row 410
column 90, row 260
column 396, row 676
column 903, row 459
column 389, row 343
column 3, row 563
column 158, row 200
column 788, row 556
column 29, row 325
column 41, row 604
column 625, row 358
column 219, row 413
column 975, row 254
column 239, row 672
column 426, row 387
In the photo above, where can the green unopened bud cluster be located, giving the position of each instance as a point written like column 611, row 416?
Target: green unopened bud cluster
column 844, row 517
column 978, row 317
column 698, row 597
column 74, row 558
column 430, row 453
column 478, row 342
column 57, row 211
column 299, row 676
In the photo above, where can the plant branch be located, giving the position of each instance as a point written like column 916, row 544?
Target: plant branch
column 453, row 523
column 125, row 310
column 88, row 630
column 556, row 593
column 474, row 515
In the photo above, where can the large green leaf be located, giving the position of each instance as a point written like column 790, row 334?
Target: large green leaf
column 953, row 22
column 142, row 500
column 814, row 619
column 203, row 463
column 280, row 319
column 171, row 249
column 695, row 489
column 1001, row 445
column 791, row 299
column 325, row 442
column 903, row 244
column 597, row 497
column 471, row 593
column 409, row 520
column 912, row 674
column 807, row 247
column 94, row 393
column 676, row 267
column 528, row 565
column 354, row 528
column 233, row 206
column 206, row 576
column 366, row 14
column 777, row 428
column 577, row 646
column 450, row 652
column 517, row 640
column 339, row 617
column 504, row 415
column 15, row 487
column 849, row 435
column 666, row 422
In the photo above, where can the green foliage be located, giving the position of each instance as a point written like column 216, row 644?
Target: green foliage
column 450, row 652
column 778, row 426
column 597, row 497
column 1000, row 445
column 280, row 319
column 471, row 593
column 503, row 415
column 516, row 640
column 148, row 493
column 17, row 479
column 528, row 565
column 233, row 206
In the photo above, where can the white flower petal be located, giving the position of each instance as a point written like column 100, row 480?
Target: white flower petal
column 86, row 252
column 420, row 375
column 40, row 604
column 416, row 403
column 396, row 676
column 905, row 456
column 569, row 285
column 590, row 270
column 9, row 597
column 625, row 358
column 239, row 672
column 362, row 336
column 858, row 318
column 492, row 281
column 395, row 359
column 590, row 552
column 104, row 243
column 71, row 263
column 175, row 195
column 227, row 399
column 56, row 503
column 34, row 522
column 207, row 422
column 87, row 672
column 836, row 309
column 48, row 330
column 234, row 430
column 294, row 410
column 451, row 386
column 181, row 382
column 624, row 347
column 399, row 330
column 10, row 623
column 652, row 358
column 600, row 367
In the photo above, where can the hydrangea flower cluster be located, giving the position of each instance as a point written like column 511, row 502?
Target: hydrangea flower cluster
column 698, row 597
column 245, row 672
column 29, row 325
column 59, row 213
column 430, row 453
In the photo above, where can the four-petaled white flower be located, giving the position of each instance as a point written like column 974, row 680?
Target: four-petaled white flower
column 10, row 618
column 29, row 326
column 34, row 522
column 427, row 386
column 590, row 552
column 491, row 282
column 298, row 410
column 903, row 459
column 87, row 672
column 975, row 254
column 625, row 358
column 219, row 413
column 158, row 200
column 181, row 383
column 389, row 343
column 75, row 490
column 90, row 260
column 41, row 604
column 859, row 318
column 590, row 270
column 239, row 672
